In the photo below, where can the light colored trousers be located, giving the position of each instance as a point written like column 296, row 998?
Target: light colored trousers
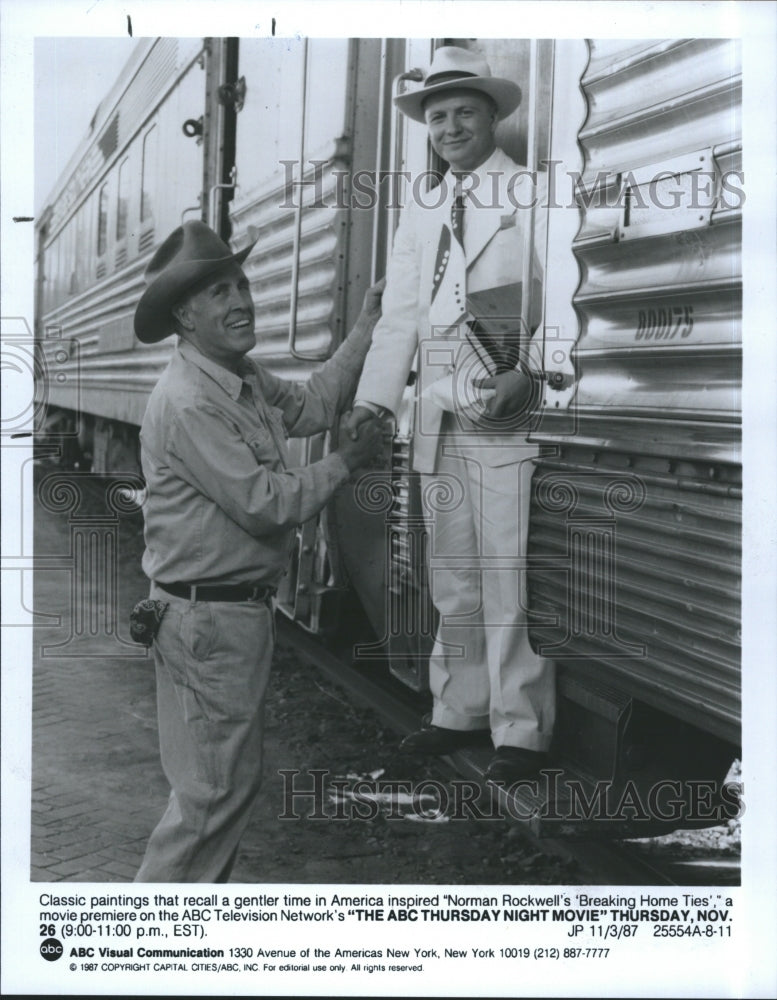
column 483, row 672
column 212, row 668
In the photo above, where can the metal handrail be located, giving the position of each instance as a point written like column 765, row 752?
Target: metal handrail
column 527, row 264
column 295, row 253
column 379, row 159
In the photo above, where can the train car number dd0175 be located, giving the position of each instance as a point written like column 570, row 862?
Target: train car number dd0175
column 664, row 323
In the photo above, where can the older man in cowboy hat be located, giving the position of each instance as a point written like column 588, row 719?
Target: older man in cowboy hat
column 453, row 302
column 219, row 524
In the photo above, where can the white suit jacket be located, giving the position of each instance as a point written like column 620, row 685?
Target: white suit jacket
column 493, row 246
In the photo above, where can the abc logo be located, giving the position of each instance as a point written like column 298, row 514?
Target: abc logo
column 51, row 949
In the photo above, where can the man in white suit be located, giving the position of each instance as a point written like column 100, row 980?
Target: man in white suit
column 451, row 303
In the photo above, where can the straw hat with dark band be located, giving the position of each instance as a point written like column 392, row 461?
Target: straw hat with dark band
column 189, row 254
column 456, row 69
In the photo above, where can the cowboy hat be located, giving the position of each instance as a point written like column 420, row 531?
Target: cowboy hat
column 454, row 68
column 189, row 254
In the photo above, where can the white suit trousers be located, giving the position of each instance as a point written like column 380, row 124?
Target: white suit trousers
column 483, row 672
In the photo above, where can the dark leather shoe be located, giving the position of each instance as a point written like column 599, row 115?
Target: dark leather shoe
column 510, row 764
column 437, row 740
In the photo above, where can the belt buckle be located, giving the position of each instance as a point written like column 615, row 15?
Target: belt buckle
column 256, row 593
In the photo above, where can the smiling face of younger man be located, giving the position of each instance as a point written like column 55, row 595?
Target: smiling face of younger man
column 461, row 127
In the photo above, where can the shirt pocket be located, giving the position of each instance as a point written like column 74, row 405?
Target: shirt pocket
column 278, row 432
column 264, row 448
column 275, row 419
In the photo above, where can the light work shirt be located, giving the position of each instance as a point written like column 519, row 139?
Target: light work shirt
column 222, row 504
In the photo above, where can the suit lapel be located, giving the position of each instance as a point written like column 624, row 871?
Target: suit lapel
column 446, row 266
column 496, row 208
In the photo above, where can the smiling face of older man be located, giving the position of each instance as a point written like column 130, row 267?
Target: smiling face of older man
column 461, row 127
column 217, row 317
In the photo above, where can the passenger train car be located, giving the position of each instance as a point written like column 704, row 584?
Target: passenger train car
column 635, row 526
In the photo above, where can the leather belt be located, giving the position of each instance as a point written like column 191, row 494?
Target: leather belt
column 228, row 592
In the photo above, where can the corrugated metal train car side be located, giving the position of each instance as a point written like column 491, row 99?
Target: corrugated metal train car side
column 635, row 524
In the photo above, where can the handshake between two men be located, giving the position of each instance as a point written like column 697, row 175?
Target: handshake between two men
column 361, row 443
column 506, row 395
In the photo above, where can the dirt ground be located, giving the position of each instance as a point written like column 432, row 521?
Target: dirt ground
column 387, row 838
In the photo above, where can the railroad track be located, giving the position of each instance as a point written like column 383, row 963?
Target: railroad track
column 681, row 859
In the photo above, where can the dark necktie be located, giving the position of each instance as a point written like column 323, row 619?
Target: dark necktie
column 457, row 213
column 449, row 285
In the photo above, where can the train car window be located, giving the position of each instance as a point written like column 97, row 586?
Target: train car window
column 148, row 173
column 63, row 266
column 273, row 68
column 82, row 247
column 63, row 255
column 90, row 239
column 56, row 277
column 122, row 200
column 102, row 221
column 327, row 69
column 71, row 257
column 278, row 73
